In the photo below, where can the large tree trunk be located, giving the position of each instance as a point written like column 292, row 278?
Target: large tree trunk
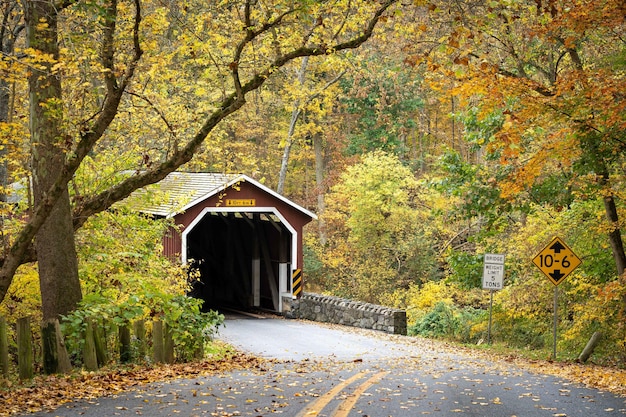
column 56, row 254
column 615, row 236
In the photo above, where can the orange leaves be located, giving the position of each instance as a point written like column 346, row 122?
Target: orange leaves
column 52, row 391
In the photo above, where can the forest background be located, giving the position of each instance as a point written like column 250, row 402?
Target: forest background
column 423, row 134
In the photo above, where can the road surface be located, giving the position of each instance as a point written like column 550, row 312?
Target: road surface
column 339, row 372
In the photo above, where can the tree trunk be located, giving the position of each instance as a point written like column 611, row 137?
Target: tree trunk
column 320, row 167
column 54, row 242
column 590, row 347
column 295, row 114
column 615, row 235
column 55, row 357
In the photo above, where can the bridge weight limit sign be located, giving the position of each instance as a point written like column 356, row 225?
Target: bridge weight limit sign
column 493, row 279
column 556, row 261
column 493, row 271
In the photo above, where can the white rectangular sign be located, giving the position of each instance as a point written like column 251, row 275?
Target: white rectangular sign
column 493, row 272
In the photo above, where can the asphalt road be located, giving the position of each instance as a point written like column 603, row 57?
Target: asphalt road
column 338, row 372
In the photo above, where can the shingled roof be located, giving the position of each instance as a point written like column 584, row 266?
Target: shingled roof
column 180, row 190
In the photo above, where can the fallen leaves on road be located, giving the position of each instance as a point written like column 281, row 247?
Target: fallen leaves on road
column 594, row 376
column 47, row 392
column 600, row 377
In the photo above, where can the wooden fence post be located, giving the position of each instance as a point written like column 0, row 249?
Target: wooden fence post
column 24, row 348
column 90, row 357
column 590, row 347
column 4, row 348
column 100, row 344
column 139, row 328
column 168, row 345
column 157, row 341
column 125, row 348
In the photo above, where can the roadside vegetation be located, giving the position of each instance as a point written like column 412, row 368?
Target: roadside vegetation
column 423, row 134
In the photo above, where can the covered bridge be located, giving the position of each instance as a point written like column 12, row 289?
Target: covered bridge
column 244, row 239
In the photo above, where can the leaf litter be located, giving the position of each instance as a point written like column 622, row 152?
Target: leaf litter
column 49, row 392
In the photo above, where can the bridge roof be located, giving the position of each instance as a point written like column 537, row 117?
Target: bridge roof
column 181, row 190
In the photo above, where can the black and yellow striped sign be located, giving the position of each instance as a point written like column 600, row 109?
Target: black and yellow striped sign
column 296, row 283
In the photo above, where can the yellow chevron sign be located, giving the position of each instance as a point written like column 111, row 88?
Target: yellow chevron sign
column 296, row 283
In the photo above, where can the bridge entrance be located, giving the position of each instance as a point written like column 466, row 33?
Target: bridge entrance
column 243, row 240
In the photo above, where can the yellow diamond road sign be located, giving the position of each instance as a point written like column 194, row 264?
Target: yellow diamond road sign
column 556, row 261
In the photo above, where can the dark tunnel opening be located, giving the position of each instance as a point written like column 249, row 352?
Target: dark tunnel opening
column 236, row 257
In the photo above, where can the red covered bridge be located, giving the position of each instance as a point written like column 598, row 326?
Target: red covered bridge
column 244, row 238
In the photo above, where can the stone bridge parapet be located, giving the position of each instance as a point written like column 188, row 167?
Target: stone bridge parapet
column 330, row 309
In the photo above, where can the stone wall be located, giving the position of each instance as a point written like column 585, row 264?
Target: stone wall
column 329, row 309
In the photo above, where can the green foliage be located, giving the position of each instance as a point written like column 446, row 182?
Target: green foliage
column 121, row 254
column 520, row 330
column 445, row 320
column 191, row 327
column 465, row 269
column 441, row 321
column 473, row 184
column 384, row 104
column 23, row 298
column 126, row 278
column 376, row 243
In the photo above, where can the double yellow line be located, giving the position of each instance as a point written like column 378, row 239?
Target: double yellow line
column 346, row 405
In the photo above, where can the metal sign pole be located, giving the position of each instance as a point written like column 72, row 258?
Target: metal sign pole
column 556, row 295
column 493, row 279
column 556, row 261
column 490, row 311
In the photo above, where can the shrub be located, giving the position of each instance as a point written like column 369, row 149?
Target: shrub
column 191, row 328
column 441, row 321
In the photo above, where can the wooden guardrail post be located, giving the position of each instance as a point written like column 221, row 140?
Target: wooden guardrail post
column 125, row 348
column 139, row 328
column 590, row 347
column 100, row 344
column 90, row 358
column 24, row 348
column 4, row 348
column 168, row 345
column 157, row 341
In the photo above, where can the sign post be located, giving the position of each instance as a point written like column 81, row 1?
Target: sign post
column 556, row 261
column 493, row 279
